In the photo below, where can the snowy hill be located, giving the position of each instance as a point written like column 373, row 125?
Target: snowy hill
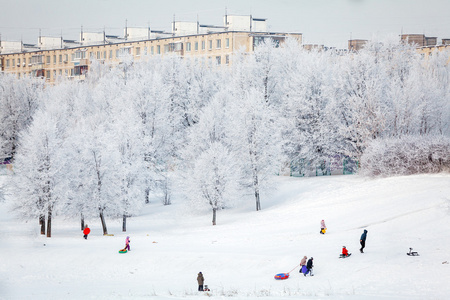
column 241, row 254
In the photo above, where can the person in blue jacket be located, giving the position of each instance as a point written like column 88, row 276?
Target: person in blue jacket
column 362, row 241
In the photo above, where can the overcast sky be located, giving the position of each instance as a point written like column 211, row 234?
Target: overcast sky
column 328, row 22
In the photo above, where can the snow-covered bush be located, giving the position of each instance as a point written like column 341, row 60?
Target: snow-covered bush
column 406, row 155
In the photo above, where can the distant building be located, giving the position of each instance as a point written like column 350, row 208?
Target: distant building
column 419, row 39
column 55, row 57
column 311, row 47
column 356, row 45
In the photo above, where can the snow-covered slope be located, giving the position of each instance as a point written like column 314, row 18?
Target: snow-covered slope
column 241, row 254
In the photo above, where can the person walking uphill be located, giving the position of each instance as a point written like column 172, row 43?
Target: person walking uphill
column 127, row 244
column 303, row 264
column 323, row 227
column 362, row 241
column 86, row 231
column 200, row 280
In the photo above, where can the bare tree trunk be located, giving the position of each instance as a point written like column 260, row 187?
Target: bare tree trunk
column 256, row 186
column 42, row 223
column 82, row 222
column 124, row 223
column 147, row 192
column 214, row 216
column 102, row 218
column 49, row 222
column 258, row 203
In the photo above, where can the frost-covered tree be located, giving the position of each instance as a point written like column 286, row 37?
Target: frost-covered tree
column 128, row 145
column 212, row 180
column 37, row 184
column 257, row 142
column 18, row 102
column 209, row 171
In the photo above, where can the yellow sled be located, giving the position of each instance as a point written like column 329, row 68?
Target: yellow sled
column 323, row 231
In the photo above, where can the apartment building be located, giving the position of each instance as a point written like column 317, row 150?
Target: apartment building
column 356, row 45
column 56, row 57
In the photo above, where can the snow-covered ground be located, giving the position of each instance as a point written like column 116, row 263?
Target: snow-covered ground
column 241, row 254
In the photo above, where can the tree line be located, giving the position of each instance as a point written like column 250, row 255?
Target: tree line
column 217, row 134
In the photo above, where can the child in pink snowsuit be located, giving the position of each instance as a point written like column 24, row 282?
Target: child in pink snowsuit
column 127, row 243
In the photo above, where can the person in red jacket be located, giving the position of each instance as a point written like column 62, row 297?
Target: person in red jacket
column 86, row 231
column 345, row 252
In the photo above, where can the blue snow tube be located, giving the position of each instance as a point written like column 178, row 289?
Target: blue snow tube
column 282, row 276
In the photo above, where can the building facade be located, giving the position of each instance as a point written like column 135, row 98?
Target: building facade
column 55, row 57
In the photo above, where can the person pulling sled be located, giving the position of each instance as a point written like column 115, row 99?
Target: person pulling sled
column 303, row 265
column 200, row 281
column 127, row 244
column 323, row 227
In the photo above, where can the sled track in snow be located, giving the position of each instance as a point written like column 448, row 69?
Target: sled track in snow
column 398, row 216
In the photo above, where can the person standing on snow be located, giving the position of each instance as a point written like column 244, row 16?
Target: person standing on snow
column 127, row 244
column 362, row 241
column 323, row 228
column 200, row 280
column 86, row 231
column 309, row 267
column 303, row 264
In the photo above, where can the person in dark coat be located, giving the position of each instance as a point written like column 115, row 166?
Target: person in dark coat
column 200, row 280
column 309, row 266
column 362, row 241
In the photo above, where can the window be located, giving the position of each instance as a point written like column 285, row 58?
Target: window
column 7, row 63
column 47, row 73
column 117, row 53
column 54, row 59
column 66, row 57
column 210, row 44
column 91, row 55
column 98, row 54
column 18, row 62
column 54, row 74
column 13, row 63
column 60, row 72
column 196, row 46
column 138, row 51
column 110, row 54
column 104, row 55
column 227, row 59
column 48, row 59
column 152, row 50
column 60, row 58
column 227, row 43
column 203, row 45
column 188, row 47
column 78, row 55
column 218, row 60
column 145, row 50
column 218, row 44
column 158, row 49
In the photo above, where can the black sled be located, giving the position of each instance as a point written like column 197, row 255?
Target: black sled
column 343, row 256
column 412, row 253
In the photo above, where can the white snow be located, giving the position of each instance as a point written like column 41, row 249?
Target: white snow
column 241, row 254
